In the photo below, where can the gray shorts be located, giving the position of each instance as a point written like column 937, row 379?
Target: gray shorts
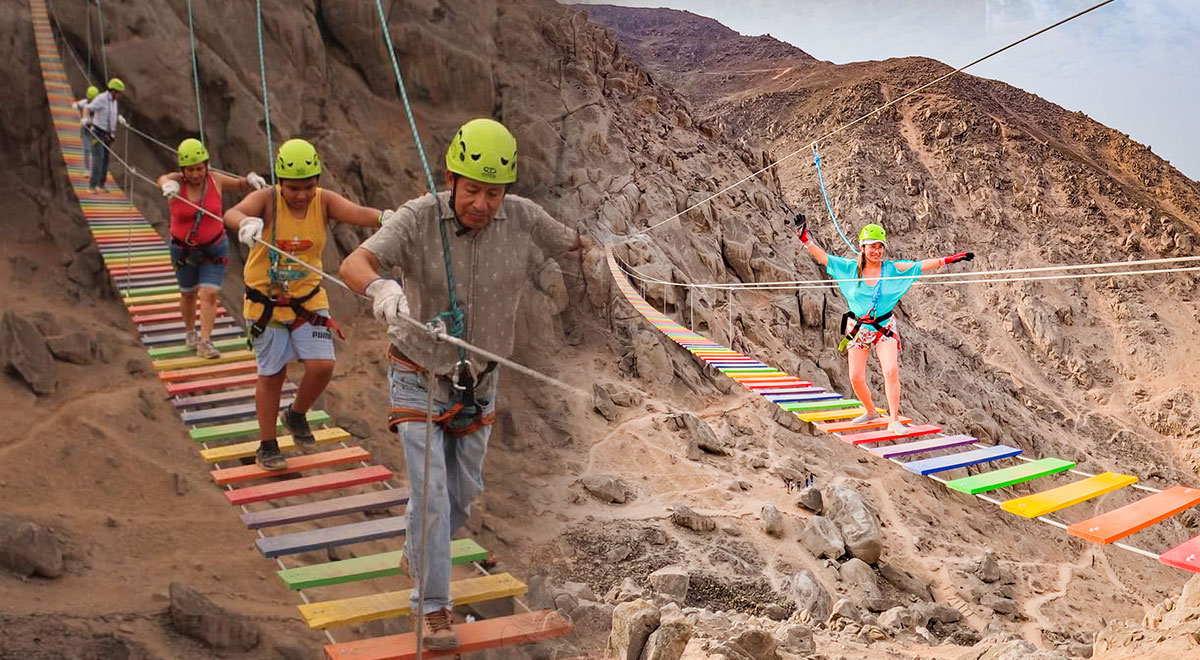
column 277, row 346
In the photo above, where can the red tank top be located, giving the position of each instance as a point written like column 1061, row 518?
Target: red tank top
column 183, row 216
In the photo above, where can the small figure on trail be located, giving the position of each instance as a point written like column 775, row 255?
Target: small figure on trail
column 102, row 120
column 493, row 243
column 84, row 122
column 286, row 307
column 199, row 249
column 871, row 300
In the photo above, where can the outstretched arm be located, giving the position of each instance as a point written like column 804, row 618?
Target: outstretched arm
column 341, row 209
column 930, row 265
column 801, row 225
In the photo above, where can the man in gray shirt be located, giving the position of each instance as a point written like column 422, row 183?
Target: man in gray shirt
column 493, row 243
column 104, row 120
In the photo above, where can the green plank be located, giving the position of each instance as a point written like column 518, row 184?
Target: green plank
column 981, row 483
column 386, row 564
column 153, row 290
column 806, row 406
column 242, row 429
column 183, row 351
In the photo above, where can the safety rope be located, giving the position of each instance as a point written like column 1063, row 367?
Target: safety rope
column 195, row 72
column 455, row 314
column 87, row 8
column 870, row 114
column 103, row 48
column 273, row 259
column 825, row 196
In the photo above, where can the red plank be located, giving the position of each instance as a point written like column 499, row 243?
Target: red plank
column 880, row 436
column 175, row 389
column 229, row 369
column 294, row 464
column 306, row 485
column 472, row 637
column 1185, row 556
column 1119, row 523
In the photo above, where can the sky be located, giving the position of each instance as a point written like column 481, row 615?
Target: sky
column 1131, row 65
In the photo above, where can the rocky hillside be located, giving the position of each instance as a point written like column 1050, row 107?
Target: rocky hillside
column 667, row 486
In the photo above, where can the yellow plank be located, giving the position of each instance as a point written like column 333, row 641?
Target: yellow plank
column 828, row 415
column 157, row 298
column 395, row 603
column 1049, row 501
column 242, row 450
column 193, row 361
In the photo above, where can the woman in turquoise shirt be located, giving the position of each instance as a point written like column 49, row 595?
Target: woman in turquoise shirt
column 869, row 321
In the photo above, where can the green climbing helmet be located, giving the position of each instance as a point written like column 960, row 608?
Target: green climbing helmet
column 872, row 234
column 191, row 152
column 483, row 150
column 297, row 159
column 116, row 85
column 92, row 92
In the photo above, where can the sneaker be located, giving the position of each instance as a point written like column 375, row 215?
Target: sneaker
column 895, row 427
column 865, row 417
column 206, row 350
column 270, row 459
column 190, row 339
column 439, row 635
column 297, row 424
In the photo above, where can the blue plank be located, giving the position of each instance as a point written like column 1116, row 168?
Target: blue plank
column 226, row 413
column 338, row 506
column 328, row 537
column 961, row 459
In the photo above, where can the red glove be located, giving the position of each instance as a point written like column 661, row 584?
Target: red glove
column 955, row 258
column 801, row 223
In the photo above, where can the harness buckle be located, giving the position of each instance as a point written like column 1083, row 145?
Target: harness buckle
column 465, row 368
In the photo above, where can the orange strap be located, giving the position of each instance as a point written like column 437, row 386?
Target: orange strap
column 398, row 416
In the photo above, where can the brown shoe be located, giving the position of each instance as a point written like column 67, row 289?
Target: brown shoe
column 404, row 564
column 438, row 634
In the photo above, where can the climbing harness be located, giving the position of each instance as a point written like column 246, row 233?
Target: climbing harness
column 877, row 322
column 464, row 416
column 192, row 253
column 825, row 196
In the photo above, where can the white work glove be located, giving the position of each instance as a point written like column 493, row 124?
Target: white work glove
column 83, row 121
column 170, row 188
column 256, row 181
column 389, row 301
column 250, row 230
column 121, row 120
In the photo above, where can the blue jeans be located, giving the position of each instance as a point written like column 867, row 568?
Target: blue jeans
column 455, row 479
column 99, row 164
column 86, row 139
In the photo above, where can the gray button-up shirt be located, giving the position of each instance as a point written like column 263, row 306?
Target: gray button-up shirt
column 491, row 267
column 104, row 112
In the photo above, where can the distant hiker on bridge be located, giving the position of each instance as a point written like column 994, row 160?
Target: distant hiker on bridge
column 199, row 249
column 490, row 241
column 84, row 123
column 871, row 300
column 286, row 307
column 103, row 118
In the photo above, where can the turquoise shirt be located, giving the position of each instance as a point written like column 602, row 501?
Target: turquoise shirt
column 883, row 295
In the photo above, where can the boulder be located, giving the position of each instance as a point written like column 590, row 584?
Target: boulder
column 822, row 538
column 797, row 638
column 197, row 617
column 74, row 347
column 810, row 498
column 23, row 351
column 753, row 644
column 651, row 360
column 699, row 434
column 27, row 549
column 844, row 610
column 810, row 596
column 606, row 489
column 671, row 581
column 906, row 582
column 999, row 604
column 988, row 569
column 861, row 581
column 670, row 640
column 632, row 624
column 772, row 521
column 685, row 517
column 857, row 522
column 602, row 402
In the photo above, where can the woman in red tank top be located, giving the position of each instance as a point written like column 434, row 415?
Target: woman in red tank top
column 199, row 248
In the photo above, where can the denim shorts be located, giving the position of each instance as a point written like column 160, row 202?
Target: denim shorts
column 205, row 266
column 277, row 346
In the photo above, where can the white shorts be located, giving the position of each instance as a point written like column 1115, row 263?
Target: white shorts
column 277, row 346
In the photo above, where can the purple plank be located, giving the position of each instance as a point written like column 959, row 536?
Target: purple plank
column 328, row 537
column 228, row 396
column 338, row 506
column 814, row 396
column 921, row 446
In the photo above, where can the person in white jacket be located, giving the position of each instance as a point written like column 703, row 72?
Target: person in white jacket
column 84, row 136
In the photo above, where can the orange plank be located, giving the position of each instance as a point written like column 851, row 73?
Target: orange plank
column 175, row 389
column 294, row 464
column 1119, row 523
column 843, row 427
column 233, row 368
column 472, row 637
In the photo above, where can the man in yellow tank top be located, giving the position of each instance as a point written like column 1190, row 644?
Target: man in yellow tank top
column 286, row 307
column 495, row 244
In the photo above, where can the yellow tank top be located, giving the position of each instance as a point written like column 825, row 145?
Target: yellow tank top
column 303, row 238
